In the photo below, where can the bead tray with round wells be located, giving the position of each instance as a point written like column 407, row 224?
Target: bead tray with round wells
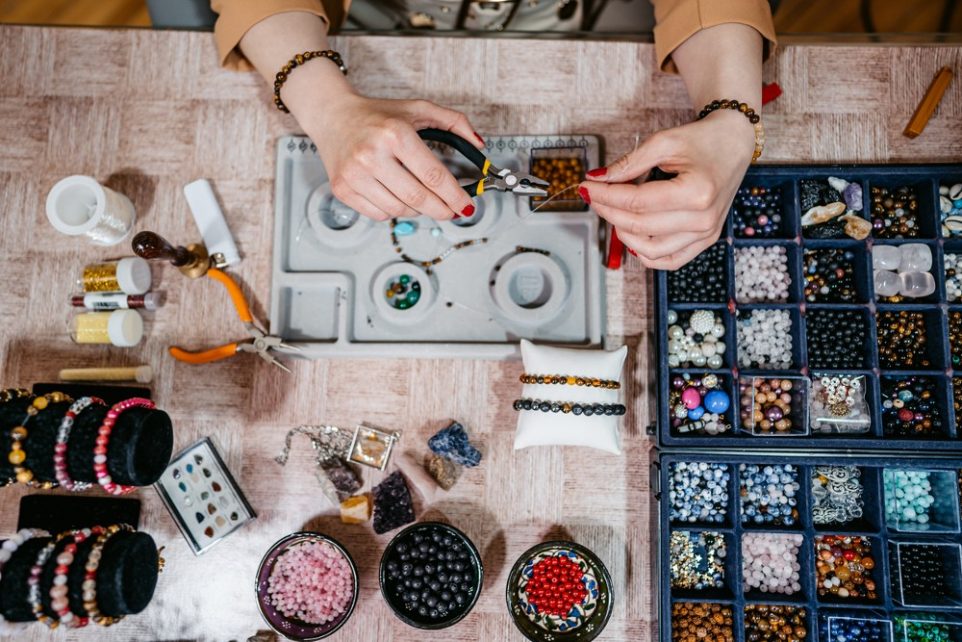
column 939, row 538
column 943, row 374
column 342, row 287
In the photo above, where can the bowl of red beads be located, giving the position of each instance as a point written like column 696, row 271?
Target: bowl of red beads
column 559, row 591
column 306, row 586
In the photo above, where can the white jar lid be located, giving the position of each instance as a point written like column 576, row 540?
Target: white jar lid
column 133, row 275
column 125, row 328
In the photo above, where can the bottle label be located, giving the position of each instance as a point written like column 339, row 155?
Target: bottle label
column 102, row 301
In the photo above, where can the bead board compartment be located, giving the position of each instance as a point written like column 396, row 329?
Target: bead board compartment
column 324, row 286
column 872, row 525
column 926, row 180
column 228, row 501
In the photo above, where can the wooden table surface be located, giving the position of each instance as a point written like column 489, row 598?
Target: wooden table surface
column 146, row 112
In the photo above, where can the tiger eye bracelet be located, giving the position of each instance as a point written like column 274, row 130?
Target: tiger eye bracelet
column 297, row 61
column 590, row 382
column 17, row 456
column 13, row 393
column 89, row 585
column 750, row 114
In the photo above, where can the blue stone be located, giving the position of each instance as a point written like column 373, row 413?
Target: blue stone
column 452, row 442
column 404, row 228
column 717, row 402
column 696, row 413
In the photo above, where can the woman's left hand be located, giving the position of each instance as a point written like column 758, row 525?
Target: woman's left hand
column 668, row 223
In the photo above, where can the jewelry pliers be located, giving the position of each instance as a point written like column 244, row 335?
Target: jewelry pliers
column 261, row 343
column 492, row 177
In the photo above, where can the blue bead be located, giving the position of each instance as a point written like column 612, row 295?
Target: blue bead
column 404, row 228
column 717, row 401
column 696, row 413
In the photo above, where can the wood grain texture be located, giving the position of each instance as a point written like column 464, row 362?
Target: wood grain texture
column 148, row 112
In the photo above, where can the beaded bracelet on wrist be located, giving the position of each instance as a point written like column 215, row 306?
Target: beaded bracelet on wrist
column 568, row 407
column 750, row 114
column 589, row 382
column 297, row 61
column 33, row 581
column 103, row 440
column 17, row 456
column 59, row 598
column 63, row 437
column 90, row 575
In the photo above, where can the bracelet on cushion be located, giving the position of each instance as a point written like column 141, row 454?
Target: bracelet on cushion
column 297, row 61
column 590, row 382
column 63, row 436
column 59, row 598
column 90, row 575
column 750, row 114
column 33, row 581
column 103, row 439
column 13, row 393
column 17, row 456
column 569, row 407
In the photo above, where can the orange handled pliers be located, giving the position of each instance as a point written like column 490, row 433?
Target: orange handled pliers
column 261, row 342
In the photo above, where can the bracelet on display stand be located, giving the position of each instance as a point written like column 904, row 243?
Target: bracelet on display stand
column 103, row 440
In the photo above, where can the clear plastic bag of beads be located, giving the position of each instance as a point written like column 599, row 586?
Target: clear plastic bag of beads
column 773, row 406
column 837, row 404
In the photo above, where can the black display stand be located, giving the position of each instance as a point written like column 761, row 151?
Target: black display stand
column 139, row 449
column 58, row 513
column 110, row 394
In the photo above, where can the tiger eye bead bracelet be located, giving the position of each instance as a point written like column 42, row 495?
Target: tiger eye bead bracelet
column 569, row 380
column 17, row 456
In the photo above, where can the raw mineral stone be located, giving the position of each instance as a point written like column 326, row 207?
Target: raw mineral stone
column 817, row 192
column 342, row 477
column 356, row 509
column 444, row 471
column 853, row 197
column 452, row 442
column 392, row 504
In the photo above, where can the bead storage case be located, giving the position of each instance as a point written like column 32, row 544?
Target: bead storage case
column 935, row 562
column 862, row 313
column 202, row 496
column 340, row 287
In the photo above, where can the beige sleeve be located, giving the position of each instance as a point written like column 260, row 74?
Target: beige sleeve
column 678, row 20
column 235, row 17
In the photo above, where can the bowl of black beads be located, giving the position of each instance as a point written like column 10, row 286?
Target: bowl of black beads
column 431, row 575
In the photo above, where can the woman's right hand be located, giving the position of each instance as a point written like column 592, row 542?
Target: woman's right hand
column 377, row 163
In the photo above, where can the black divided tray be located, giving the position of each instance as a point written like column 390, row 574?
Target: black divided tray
column 926, row 180
column 872, row 525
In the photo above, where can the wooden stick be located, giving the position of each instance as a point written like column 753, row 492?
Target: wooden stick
column 929, row 103
column 140, row 374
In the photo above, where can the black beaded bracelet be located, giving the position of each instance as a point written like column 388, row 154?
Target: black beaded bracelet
column 750, row 114
column 567, row 407
column 297, row 61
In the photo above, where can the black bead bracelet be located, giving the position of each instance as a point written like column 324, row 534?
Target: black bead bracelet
column 567, row 407
column 297, row 61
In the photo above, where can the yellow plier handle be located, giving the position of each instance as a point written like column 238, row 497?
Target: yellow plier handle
column 227, row 350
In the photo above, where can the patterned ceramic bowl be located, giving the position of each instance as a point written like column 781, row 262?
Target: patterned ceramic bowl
column 585, row 619
column 292, row 628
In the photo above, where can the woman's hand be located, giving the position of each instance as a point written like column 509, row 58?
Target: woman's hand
column 377, row 163
column 668, row 223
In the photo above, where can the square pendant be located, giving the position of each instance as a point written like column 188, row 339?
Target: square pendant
column 372, row 447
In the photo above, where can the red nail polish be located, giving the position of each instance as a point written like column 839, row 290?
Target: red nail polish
column 583, row 193
column 478, row 136
column 600, row 171
column 468, row 210
column 633, row 253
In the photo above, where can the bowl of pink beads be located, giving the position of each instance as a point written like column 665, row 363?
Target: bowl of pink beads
column 306, row 586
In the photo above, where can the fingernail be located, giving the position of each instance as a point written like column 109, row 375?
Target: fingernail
column 468, row 210
column 478, row 136
column 456, row 215
column 633, row 253
column 600, row 171
column 583, row 193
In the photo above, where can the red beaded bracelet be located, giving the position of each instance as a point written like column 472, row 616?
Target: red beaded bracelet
column 103, row 439
column 60, row 601
column 63, row 436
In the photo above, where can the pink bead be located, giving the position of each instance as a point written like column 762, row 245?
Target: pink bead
column 691, row 398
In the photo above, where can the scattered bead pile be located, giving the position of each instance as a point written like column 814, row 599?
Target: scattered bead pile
column 950, row 208
column 919, row 570
column 902, row 340
column 775, row 623
column 698, row 404
column 403, row 292
column 703, row 280
column 910, row 407
column 312, row 582
column 698, row 492
column 844, row 567
column 761, row 274
column 838, row 404
column 768, row 494
column 765, row 339
column 919, row 631
column 953, row 277
column 697, row 560
column 697, row 341
column 756, row 212
column 770, row 562
column 772, row 406
column 836, row 338
column 908, row 498
column 895, row 212
column 857, row 629
column 694, row 622
column 836, row 494
column 830, row 276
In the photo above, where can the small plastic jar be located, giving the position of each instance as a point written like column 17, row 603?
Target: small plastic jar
column 130, row 275
column 122, row 328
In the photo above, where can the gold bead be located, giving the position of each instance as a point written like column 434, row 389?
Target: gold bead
column 16, row 456
column 40, row 403
column 19, row 433
column 24, row 476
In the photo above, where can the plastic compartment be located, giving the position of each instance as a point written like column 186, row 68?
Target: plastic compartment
column 563, row 167
column 935, row 270
column 861, row 271
column 903, row 514
column 829, row 413
column 942, row 405
column 761, row 418
column 870, row 520
column 792, row 269
column 853, row 314
column 922, row 627
column 838, row 627
column 744, row 313
column 927, row 213
column 787, row 228
column 686, row 425
column 851, row 175
column 680, row 587
column 938, row 584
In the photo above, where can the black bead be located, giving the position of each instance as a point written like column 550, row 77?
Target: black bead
column 576, row 409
